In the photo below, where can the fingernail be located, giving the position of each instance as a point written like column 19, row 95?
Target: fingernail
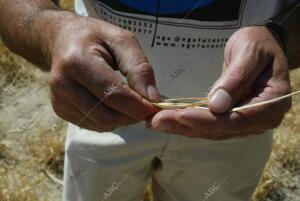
column 220, row 101
column 153, row 93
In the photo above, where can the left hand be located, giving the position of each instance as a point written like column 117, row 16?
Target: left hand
column 255, row 69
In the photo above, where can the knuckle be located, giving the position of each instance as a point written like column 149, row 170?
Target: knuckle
column 69, row 59
column 144, row 68
column 238, row 75
column 58, row 84
column 122, row 37
column 249, row 48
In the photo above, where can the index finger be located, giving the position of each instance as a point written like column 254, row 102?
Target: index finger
column 196, row 122
column 133, row 63
column 103, row 82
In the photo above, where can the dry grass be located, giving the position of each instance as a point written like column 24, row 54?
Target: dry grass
column 32, row 138
column 281, row 180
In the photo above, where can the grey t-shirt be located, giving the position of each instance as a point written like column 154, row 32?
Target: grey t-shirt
column 183, row 39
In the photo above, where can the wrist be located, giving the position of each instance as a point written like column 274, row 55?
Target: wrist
column 44, row 30
column 265, row 32
column 284, row 26
column 279, row 34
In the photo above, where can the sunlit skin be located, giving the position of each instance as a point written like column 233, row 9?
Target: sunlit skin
column 254, row 70
column 83, row 53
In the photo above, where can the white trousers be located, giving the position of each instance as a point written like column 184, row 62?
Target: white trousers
column 117, row 166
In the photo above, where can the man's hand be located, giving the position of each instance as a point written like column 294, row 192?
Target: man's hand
column 85, row 88
column 255, row 69
column 82, row 54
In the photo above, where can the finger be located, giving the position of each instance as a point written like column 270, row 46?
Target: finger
column 165, row 122
column 197, row 120
column 134, row 64
column 238, row 123
column 204, row 122
column 272, row 83
column 280, row 75
column 244, row 67
column 92, row 108
column 101, row 80
column 243, row 121
column 70, row 113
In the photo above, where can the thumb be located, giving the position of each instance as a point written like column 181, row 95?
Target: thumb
column 236, row 79
column 133, row 63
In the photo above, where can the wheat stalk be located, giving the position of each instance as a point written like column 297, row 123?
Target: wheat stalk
column 201, row 103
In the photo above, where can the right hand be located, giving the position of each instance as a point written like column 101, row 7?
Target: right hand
column 85, row 89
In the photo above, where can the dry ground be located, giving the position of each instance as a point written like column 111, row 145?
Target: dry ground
column 32, row 137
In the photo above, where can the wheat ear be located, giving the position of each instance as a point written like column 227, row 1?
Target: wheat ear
column 175, row 103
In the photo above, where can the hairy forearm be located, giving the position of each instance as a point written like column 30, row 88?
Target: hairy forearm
column 28, row 28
